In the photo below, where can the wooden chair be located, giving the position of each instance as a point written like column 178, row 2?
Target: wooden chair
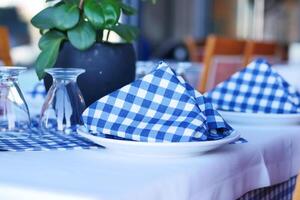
column 267, row 50
column 195, row 48
column 222, row 58
column 296, row 193
column 4, row 46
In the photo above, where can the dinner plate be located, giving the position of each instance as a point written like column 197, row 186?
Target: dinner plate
column 180, row 149
column 263, row 119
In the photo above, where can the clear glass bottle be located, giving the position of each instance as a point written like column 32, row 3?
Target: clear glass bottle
column 14, row 113
column 64, row 102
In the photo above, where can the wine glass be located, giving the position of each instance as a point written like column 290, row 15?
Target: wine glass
column 14, row 113
column 64, row 102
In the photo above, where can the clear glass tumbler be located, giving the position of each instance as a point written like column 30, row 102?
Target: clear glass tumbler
column 14, row 114
column 64, row 102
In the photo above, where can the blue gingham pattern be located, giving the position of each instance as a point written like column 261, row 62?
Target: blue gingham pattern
column 160, row 107
column 257, row 88
column 50, row 141
column 38, row 90
column 282, row 191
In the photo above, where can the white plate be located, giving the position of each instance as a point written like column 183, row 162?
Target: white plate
column 181, row 149
column 262, row 119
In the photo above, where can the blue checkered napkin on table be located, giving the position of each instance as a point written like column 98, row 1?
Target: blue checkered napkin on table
column 50, row 141
column 160, row 107
column 257, row 88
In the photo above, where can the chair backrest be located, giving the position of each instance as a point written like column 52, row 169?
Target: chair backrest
column 195, row 49
column 267, row 50
column 4, row 46
column 296, row 193
column 222, row 58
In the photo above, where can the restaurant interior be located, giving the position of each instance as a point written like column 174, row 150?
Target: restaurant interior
column 151, row 99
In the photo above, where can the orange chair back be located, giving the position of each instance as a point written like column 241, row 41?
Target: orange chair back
column 222, row 58
column 195, row 49
column 267, row 50
column 4, row 47
column 296, row 194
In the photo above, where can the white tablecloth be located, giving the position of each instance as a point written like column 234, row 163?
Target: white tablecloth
column 271, row 156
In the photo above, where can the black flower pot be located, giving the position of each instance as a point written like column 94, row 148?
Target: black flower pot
column 108, row 68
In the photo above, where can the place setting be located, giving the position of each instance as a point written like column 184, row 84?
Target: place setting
column 159, row 114
column 257, row 95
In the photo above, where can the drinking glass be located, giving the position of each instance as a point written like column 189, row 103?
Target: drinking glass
column 14, row 114
column 190, row 71
column 64, row 102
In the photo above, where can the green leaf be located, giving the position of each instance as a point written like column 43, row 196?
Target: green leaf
column 48, row 38
column 127, row 32
column 127, row 10
column 65, row 16
column 82, row 36
column 48, row 56
column 112, row 11
column 99, row 36
column 94, row 12
column 72, row 1
column 43, row 20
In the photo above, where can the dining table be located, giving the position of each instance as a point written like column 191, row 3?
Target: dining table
column 269, row 157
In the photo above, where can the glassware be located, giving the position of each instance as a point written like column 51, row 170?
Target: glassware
column 64, row 102
column 14, row 114
column 190, row 71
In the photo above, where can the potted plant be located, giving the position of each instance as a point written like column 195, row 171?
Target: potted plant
column 75, row 33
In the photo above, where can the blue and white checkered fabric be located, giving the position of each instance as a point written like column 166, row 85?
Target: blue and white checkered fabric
column 281, row 191
column 257, row 88
column 160, row 107
column 38, row 90
column 50, row 141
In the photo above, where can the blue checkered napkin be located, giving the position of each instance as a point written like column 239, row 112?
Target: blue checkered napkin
column 257, row 88
column 50, row 141
column 160, row 107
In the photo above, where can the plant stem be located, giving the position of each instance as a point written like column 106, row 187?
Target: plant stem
column 81, row 4
column 107, row 36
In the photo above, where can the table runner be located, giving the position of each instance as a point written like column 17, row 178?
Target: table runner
column 282, row 191
column 50, row 140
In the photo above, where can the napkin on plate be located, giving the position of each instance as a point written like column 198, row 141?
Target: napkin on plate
column 257, row 89
column 160, row 107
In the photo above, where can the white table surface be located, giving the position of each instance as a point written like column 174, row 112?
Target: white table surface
column 271, row 156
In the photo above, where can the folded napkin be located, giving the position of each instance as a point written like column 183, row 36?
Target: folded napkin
column 257, row 88
column 160, row 107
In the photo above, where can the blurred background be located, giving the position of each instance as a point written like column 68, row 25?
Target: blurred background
column 165, row 26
